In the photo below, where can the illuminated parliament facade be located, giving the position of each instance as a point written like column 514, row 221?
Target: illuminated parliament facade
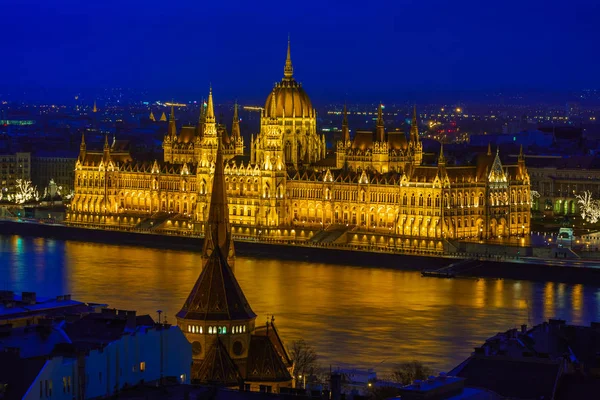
column 284, row 185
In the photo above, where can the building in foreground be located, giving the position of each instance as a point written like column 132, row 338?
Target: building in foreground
column 70, row 356
column 228, row 348
column 373, row 185
column 552, row 360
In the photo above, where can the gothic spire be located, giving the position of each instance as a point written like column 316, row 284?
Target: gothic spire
column 521, row 156
column 414, row 126
column 345, row 130
column 288, row 70
column 273, row 111
column 95, row 109
column 380, row 124
column 82, row 148
column 235, row 127
column 441, row 158
column 172, row 124
column 489, row 152
column 218, row 228
column 210, row 109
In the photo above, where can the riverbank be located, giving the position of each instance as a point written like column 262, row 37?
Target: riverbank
column 486, row 268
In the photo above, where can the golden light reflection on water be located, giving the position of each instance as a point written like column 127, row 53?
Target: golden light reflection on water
column 366, row 317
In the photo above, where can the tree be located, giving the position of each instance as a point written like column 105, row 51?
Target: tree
column 589, row 208
column 408, row 372
column 304, row 357
column 25, row 191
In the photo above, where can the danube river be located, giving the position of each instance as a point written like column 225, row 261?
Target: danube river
column 363, row 317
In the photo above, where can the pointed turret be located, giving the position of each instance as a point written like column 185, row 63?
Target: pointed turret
column 106, row 152
column 489, row 152
column 210, row 108
column 288, row 70
column 521, row 156
column 345, row 129
column 82, row 148
column 95, row 109
column 273, row 110
column 442, row 173
column 521, row 164
column 414, row 127
column 201, row 119
column 235, row 126
column 380, row 129
column 172, row 123
column 152, row 116
column 163, row 117
column 218, row 228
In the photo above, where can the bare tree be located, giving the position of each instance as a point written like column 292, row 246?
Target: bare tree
column 304, row 358
column 408, row 372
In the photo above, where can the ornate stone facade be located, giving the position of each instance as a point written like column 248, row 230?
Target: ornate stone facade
column 374, row 186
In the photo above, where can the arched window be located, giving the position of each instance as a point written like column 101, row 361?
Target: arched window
column 428, row 200
column 404, row 200
column 412, row 200
column 437, row 201
column 446, row 200
column 420, row 200
column 481, row 200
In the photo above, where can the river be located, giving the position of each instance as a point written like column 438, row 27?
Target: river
column 353, row 316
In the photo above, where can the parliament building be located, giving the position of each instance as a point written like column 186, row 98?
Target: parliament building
column 373, row 189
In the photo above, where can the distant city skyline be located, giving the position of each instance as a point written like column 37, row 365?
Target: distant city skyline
column 339, row 51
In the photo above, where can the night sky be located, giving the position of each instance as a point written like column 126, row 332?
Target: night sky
column 340, row 50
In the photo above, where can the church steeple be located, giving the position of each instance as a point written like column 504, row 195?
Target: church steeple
column 380, row 129
column 345, row 129
column 288, row 70
column 218, row 228
column 235, row 126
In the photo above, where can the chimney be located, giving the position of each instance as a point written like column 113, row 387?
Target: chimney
column 67, row 297
column 335, row 386
column 28, row 297
column 109, row 312
column 524, row 329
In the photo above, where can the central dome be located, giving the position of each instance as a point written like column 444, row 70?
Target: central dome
column 290, row 98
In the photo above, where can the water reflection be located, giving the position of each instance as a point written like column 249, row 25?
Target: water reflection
column 366, row 317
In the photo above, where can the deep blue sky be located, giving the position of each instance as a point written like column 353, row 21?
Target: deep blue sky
column 340, row 49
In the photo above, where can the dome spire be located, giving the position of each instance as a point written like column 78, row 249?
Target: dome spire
column 288, row 70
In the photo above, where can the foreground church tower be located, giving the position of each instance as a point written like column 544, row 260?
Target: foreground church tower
column 227, row 348
column 216, row 317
